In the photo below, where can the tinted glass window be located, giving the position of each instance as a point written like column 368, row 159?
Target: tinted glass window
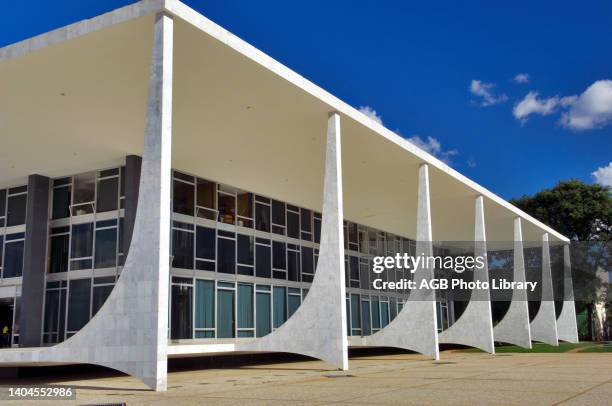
column 293, row 266
column 227, row 255
column 262, row 217
column 2, row 203
column 263, row 266
column 16, row 212
column 278, row 212
column 182, row 249
column 61, row 202
column 279, row 255
column 81, row 241
column 205, row 238
column 100, row 294
column 106, row 248
column 59, row 253
column 108, row 194
column 245, row 249
column 183, row 198
column 293, row 225
column 13, row 259
column 78, row 303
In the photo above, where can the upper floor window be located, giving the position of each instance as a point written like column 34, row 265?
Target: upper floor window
column 13, row 206
column 87, row 193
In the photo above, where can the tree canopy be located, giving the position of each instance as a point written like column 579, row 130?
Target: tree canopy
column 580, row 211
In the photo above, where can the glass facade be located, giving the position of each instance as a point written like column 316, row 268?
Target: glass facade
column 85, row 251
column 241, row 263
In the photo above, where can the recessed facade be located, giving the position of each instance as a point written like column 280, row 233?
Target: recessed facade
column 168, row 190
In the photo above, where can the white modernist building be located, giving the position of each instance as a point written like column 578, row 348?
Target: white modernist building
column 168, row 190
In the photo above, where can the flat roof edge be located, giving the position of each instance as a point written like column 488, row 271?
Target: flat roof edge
column 209, row 27
column 80, row 28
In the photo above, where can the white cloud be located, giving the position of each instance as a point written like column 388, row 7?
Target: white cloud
column 433, row 147
column 603, row 175
column 521, row 78
column 471, row 162
column 485, row 92
column 532, row 105
column 370, row 112
column 592, row 109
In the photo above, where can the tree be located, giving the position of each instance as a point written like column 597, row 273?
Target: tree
column 583, row 213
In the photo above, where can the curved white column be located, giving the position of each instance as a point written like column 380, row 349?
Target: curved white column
column 318, row 327
column 129, row 333
column 514, row 327
column 415, row 327
column 567, row 328
column 475, row 326
column 544, row 324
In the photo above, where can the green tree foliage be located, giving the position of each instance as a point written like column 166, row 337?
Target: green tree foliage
column 583, row 213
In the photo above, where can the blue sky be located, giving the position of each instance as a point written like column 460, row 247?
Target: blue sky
column 445, row 70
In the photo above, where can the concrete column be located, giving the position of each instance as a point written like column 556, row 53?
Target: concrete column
column 514, row 327
column 34, row 262
column 130, row 332
column 567, row 327
column 318, row 327
column 415, row 327
column 133, row 165
column 544, row 325
column 475, row 326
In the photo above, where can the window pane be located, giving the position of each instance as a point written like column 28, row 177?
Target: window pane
column 263, row 266
column 280, row 306
column 182, row 249
column 13, row 259
column 106, row 248
column 181, row 312
column 245, row 306
column 205, row 304
column 264, row 326
column 206, row 193
column 16, row 212
column 365, row 317
column 245, row 209
column 375, row 314
column 108, row 195
column 293, row 225
column 225, row 314
column 245, row 249
column 306, row 220
column 278, row 212
column 2, row 203
column 279, row 253
column 227, row 208
column 78, row 303
column 294, row 303
column 227, row 255
column 293, row 266
column 59, row 253
column 61, row 202
column 355, row 313
column 262, row 217
column 307, row 261
column 100, row 294
column 84, row 188
column 182, row 198
column 52, row 304
column 384, row 314
column 82, row 240
column 205, row 239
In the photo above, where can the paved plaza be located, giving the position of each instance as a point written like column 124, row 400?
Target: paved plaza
column 459, row 378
